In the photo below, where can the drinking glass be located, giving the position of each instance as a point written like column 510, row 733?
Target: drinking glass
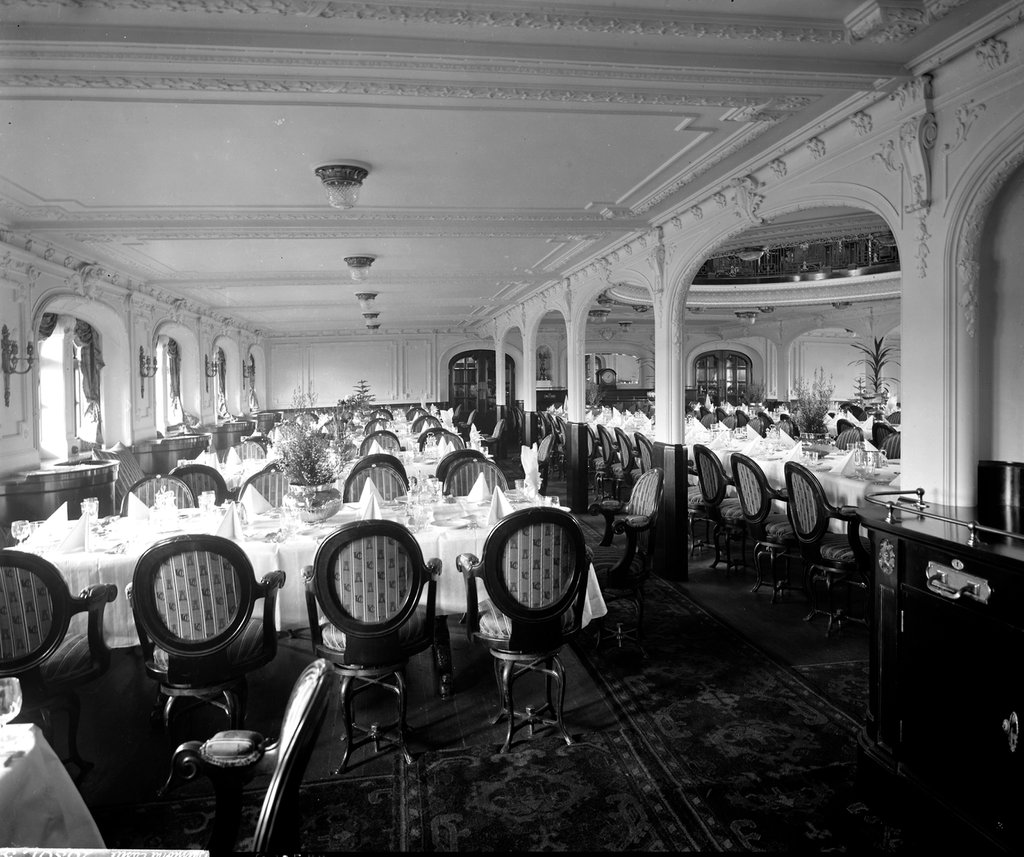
column 207, row 500
column 10, row 702
column 21, row 530
column 91, row 507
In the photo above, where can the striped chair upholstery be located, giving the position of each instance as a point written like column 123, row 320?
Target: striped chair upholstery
column 463, row 475
column 724, row 514
column 368, row 616
column 194, row 600
column 423, row 421
column 376, row 424
column 895, row 418
column 891, row 446
column 544, row 461
column 38, row 645
column 628, row 456
column 848, row 437
column 534, row 568
column 149, row 486
column 446, row 463
column 413, row 412
column 385, row 471
column 385, row 439
column 772, row 532
column 787, row 425
column 200, row 478
column 455, row 441
column 831, row 561
column 272, row 482
column 645, row 449
column 756, row 425
column 645, row 496
column 252, row 448
column 381, row 413
column 129, row 471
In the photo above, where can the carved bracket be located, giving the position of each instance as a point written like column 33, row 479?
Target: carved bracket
column 917, row 139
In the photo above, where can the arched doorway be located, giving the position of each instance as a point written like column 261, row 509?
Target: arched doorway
column 472, row 384
column 723, row 375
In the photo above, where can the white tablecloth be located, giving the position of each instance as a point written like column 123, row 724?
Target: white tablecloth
column 40, row 806
column 98, row 565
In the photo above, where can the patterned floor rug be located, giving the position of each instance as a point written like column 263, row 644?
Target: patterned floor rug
column 759, row 759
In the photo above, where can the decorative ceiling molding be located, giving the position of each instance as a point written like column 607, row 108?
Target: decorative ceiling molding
column 469, row 15
column 884, row 21
column 21, row 63
column 492, row 94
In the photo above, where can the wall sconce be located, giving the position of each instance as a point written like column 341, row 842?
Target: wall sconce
column 147, row 369
column 212, row 368
column 11, row 363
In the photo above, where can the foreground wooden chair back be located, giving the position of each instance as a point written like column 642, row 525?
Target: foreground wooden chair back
column 232, row 759
column 193, row 598
column 38, row 646
column 534, row 567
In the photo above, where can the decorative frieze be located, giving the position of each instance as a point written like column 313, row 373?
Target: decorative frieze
column 778, row 168
column 861, row 123
column 816, row 146
column 966, row 114
column 992, row 53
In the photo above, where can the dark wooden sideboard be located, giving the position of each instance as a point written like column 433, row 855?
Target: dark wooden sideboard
column 35, row 495
column 947, row 642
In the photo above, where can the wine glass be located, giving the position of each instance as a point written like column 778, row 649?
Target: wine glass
column 10, row 702
column 21, row 530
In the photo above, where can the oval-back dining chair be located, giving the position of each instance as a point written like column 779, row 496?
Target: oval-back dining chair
column 148, row 487
column 534, row 567
column 38, row 644
column 272, row 483
column 193, row 598
column 202, row 477
column 367, row 581
column 385, row 439
column 463, row 476
column 385, row 471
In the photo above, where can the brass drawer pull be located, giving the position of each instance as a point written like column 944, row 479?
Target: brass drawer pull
column 951, row 583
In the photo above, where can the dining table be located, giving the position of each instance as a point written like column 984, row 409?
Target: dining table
column 272, row 542
column 833, row 468
column 40, row 805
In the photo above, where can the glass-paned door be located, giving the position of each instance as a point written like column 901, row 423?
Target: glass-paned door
column 472, row 384
column 722, row 375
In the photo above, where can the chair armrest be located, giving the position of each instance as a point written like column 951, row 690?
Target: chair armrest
column 272, row 580
column 844, row 513
column 312, row 609
column 634, row 523
column 778, row 494
column 94, row 599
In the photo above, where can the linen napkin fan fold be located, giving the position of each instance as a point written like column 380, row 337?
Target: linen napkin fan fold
column 531, row 467
column 479, row 492
column 369, row 506
column 255, row 503
column 500, row 507
column 137, row 510
column 77, row 539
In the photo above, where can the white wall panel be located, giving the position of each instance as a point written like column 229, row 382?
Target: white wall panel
column 286, row 373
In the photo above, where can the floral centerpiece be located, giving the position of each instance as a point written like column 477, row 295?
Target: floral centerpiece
column 809, row 403
column 311, row 451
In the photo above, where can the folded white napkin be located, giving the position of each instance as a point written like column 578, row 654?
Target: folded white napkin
column 479, row 492
column 369, row 506
column 696, row 433
column 77, row 539
column 53, row 528
column 794, row 453
column 232, row 459
column 531, row 467
column 231, row 524
column 370, row 490
column 137, row 510
column 868, row 445
column 844, row 466
column 500, row 507
column 446, row 416
column 375, row 449
column 474, row 435
column 255, row 503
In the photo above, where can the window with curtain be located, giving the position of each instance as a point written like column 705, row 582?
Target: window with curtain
column 173, row 362
column 221, row 381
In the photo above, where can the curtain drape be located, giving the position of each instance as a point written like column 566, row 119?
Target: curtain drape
column 91, row 363
column 47, row 325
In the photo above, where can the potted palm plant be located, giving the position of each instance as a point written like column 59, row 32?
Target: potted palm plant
column 875, row 356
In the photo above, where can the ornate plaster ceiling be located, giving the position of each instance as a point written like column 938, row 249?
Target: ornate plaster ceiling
column 172, row 142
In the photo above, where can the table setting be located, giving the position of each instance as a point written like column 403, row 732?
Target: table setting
column 105, row 550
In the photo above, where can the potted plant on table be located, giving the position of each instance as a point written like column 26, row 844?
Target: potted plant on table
column 309, row 455
column 809, row 404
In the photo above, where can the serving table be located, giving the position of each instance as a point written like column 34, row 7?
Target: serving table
column 114, row 550
column 41, row 806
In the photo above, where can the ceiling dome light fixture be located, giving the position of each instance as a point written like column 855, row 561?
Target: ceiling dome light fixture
column 359, row 266
column 748, row 315
column 342, row 182
column 842, row 304
column 600, row 314
column 373, row 326
column 371, row 316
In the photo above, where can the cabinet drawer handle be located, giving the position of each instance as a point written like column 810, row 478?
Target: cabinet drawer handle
column 951, row 584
